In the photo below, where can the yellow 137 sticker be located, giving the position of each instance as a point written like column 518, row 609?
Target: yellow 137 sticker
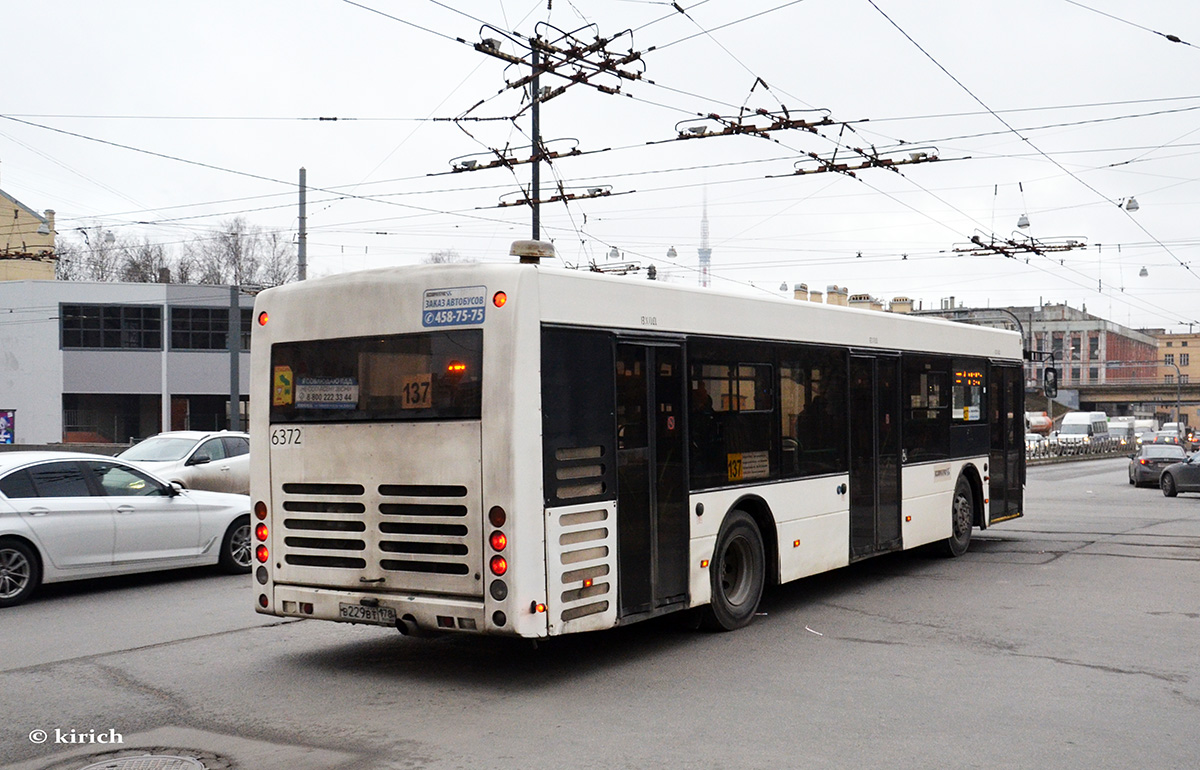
column 734, row 463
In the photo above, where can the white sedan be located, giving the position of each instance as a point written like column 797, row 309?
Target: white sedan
column 215, row 460
column 66, row 516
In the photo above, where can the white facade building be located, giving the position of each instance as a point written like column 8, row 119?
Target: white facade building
column 113, row 362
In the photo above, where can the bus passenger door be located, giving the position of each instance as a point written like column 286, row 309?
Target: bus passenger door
column 652, row 534
column 874, row 454
column 1006, row 413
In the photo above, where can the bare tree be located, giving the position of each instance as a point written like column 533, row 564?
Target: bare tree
column 70, row 263
column 186, row 267
column 446, row 256
column 234, row 255
column 278, row 263
column 144, row 262
column 99, row 258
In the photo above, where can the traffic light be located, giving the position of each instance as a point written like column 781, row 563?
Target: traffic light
column 1050, row 382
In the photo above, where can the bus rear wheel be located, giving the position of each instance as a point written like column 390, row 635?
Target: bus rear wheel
column 962, row 519
column 737, row 574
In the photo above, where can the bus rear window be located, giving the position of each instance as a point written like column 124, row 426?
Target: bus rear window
column 426, row 376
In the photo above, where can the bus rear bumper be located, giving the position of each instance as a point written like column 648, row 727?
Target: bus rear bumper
column 409, row 614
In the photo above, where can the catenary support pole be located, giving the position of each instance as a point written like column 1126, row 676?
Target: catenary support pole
column 302, row 246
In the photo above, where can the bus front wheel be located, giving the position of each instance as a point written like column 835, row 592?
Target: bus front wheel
column 737, row 573
column 962, row 519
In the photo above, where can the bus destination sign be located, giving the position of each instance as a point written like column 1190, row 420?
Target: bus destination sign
column 458, row 306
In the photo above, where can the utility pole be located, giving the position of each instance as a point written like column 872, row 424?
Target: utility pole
column 535, row 118
column 234, row 338
column 302, row 248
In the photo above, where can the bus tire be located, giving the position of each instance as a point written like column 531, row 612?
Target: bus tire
column 962, row 519
column 737, row 574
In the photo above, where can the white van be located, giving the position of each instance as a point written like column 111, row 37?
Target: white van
column 1084, row 432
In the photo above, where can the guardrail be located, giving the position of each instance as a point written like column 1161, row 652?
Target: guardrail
column 1051, row 448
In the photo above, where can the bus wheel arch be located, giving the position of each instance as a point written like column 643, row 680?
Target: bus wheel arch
column 965, row 512
column 737, row 572
column 758, row 510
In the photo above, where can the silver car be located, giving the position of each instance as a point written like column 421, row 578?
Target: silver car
column 215, row 460
column 67, row 515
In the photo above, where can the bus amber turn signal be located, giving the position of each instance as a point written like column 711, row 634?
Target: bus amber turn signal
column 499, row 298
column 263, row 318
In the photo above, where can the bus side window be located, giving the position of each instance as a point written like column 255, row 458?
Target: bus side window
column 812, row 412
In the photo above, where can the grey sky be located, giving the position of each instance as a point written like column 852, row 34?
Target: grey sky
column 236, row 86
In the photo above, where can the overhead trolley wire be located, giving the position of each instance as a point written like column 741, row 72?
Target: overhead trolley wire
column 1015, row 132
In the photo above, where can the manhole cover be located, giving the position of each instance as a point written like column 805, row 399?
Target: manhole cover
column 157, row 762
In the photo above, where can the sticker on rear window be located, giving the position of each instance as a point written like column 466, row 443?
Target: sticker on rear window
column 326, row 393
column 457, row 306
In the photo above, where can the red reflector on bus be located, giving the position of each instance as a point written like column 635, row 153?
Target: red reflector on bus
column 262, row 554
column 263, row 318
column 261, row 531
column 499, row 565
column 499, row 298
column 260, row 510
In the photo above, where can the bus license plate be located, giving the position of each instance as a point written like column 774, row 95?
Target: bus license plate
column 384, row 616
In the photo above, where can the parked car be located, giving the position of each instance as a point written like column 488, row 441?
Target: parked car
column 1147, row 463
column 218, row 461
column 1181, row 477
column 68, row 515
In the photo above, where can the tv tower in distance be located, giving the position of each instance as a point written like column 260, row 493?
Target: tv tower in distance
column 705, row 251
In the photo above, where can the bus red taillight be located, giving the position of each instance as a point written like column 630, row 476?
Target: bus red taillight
column 498, row 540
column 262, row 554
column 261, row 531
column 263, row 318
column 499, row 298
column 260, row 510
column 498, row 565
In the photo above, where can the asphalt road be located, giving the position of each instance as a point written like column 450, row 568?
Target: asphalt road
column 1066, row 639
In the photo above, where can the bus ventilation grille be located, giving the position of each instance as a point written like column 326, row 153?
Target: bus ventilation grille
column 422, row 531
column 587, row 547
column 579, row 472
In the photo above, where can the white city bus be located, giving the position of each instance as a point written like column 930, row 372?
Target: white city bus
column 523, row 450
